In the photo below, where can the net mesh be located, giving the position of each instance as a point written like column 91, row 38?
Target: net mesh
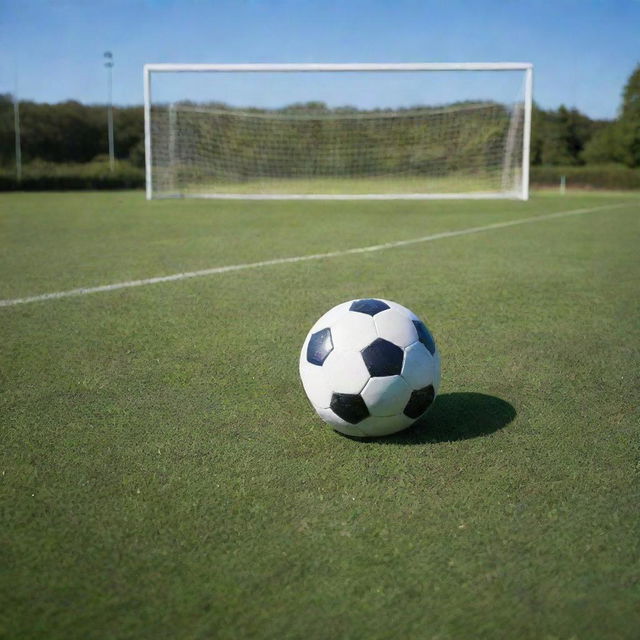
column 217, row 149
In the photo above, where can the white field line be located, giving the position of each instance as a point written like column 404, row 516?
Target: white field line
column 316, row 256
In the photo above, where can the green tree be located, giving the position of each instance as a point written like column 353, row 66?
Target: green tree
column 7, row 132
column 619, row 141
column 630, row 119
column 129, row 132
column 606, row 146
column 559, row 137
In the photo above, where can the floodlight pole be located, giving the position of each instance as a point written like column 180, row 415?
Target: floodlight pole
column 109, row 66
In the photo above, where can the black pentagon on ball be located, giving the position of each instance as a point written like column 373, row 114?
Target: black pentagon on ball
column 319, row 347
column 419, row 402
column 424, row 335
column 383, row 358
column 349, row 406
column 368, row 306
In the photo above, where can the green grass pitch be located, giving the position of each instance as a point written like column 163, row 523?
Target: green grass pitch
column 163, row 476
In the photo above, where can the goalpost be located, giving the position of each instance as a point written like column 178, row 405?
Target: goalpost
column 338, row 131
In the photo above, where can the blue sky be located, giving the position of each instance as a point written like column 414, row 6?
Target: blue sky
column 583, row 50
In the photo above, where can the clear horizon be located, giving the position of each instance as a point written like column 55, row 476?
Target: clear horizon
column 583, row 51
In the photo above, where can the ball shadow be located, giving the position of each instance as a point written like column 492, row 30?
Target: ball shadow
column 456, row 416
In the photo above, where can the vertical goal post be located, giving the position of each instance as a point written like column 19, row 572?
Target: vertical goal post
column 517, row 138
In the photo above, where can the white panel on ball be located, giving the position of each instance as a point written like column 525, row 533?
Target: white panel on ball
column 346, row 371
column 315, row 384
column 418, row 368
column 353, row 331
column 386, row 396
column 396, row 326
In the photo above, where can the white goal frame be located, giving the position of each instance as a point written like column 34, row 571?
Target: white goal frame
column 527, row 67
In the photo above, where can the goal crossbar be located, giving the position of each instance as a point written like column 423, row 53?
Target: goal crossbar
column 525, row 136
column 348, row 66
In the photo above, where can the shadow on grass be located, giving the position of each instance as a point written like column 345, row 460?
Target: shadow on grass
column 456, row 416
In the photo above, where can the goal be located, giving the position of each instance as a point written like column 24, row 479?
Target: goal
column 338, row 131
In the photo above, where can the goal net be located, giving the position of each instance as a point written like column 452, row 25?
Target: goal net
column 338, row 131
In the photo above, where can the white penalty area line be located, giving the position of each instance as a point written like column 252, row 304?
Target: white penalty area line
column 316, row 256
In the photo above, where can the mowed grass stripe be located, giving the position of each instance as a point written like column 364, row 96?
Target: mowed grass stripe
column 293, row 259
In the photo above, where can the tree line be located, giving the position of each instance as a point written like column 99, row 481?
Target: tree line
column 570, row 138
column 70, row 132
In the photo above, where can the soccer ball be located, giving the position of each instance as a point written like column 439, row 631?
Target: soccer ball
column 370, row 367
